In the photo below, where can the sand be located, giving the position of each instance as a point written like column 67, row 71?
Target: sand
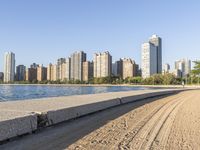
column 171, row 122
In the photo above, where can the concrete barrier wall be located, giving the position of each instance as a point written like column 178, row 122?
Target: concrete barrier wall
column 61, row 115
column 51, row 111
column 16, row 126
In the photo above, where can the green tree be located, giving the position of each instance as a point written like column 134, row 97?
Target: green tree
column 196, row 71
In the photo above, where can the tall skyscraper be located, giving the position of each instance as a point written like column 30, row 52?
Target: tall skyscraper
column 157, row 42
column 152, row 57
column 102, row 64
column 20, row 73
column 149, row 60
column 77, row 60
column 9, row 67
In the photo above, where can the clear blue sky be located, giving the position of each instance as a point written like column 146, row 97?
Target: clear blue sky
column 43, row 30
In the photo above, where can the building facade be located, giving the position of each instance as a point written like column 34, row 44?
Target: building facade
column 34, row 65
column 9, row 67
column 51, row 72
column 166, row 68
column 152, row 57
column 20, row 73
column 128, row 68
column 41, row 73
column 76, row 69
column 87, row 70
column 102, row 64
column 68, row 68
column 149, row 60
column 184, row 65
column 176, row 72
column 60, row 70
column 31, row 74
column 157, row 42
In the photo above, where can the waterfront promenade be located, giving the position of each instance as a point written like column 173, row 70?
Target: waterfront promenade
column 149, row 116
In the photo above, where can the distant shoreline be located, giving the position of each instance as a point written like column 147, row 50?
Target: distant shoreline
column 100, row 85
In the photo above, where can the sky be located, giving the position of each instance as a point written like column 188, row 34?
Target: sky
column 42, row 31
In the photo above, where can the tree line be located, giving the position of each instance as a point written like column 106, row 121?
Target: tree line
column 157, row 79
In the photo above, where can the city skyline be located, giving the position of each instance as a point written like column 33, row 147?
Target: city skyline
column 55, row 30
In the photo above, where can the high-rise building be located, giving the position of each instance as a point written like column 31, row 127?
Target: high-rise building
column 102, row 64
column 176, row 72
column 184, row 65
column 152, row 56
column 117, row 68
column 9, row 67
column 31, row 74
column 64, row 71
column 60, row 67
column 68, row 68
column 34, row 65
column 77, row 60
column 1, row 76
column 166, row 68
column 87, row 70
column 149, row 60
column 157, row 42
column 51, row 72
column 128, row 68
column 41, row 73
column 20, row 73
column 114, row 68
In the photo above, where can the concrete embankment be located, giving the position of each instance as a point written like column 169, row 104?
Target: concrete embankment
column 21, row 117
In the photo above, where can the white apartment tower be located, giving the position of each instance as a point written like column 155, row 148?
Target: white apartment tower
column 9, row 67
column 151, row 57
column 149, row 60
column 102, row 64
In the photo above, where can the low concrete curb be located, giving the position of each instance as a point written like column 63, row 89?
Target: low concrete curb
column 16, row 123
column 51, row 111
column 57, row 116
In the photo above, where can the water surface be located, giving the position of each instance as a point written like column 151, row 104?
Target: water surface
column 21, row 92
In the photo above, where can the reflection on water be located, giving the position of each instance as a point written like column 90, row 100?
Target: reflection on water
column 19, row 92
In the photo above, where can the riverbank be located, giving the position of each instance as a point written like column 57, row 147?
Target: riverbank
column 40, row 113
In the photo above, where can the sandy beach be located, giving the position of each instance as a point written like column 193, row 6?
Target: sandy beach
column 171, row 122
